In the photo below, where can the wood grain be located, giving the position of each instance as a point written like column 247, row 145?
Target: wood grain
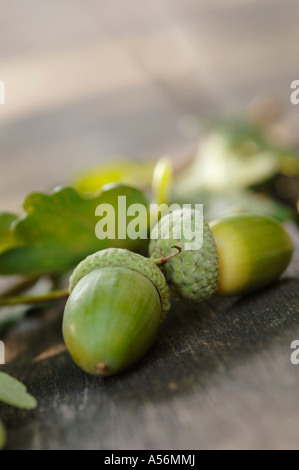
column 89, row 80
column 219, row 376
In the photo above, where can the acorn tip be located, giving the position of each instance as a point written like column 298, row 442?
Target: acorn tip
column 101, row 367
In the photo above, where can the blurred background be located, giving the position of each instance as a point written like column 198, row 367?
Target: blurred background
column 87, row 81
column 206, row 83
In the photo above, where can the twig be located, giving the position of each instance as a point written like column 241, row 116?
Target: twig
column 38, row 299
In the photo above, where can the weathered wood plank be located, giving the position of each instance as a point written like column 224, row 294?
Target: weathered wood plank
column 219, row 377
column 88, row 80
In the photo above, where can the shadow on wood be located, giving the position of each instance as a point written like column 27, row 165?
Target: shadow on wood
column 197, row 346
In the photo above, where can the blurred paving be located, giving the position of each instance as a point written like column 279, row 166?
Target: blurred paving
column 88, row 80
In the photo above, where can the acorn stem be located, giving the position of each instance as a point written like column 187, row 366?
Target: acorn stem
column 101, row 367
column 35, row 299
column 166, row 258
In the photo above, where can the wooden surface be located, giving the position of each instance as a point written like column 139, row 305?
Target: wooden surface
column 89, row 80
column 219, row 376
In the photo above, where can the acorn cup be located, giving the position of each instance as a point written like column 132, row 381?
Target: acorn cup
column 239, row 254
column 117, row 302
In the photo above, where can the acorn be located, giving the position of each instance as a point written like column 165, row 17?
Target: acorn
column 239, row 254
column 253, row 250
column 117, row 302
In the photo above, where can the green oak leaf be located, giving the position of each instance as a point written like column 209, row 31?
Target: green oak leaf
column 218, row 204
column 58, row 230
column 13, row 392
column 2, row 435
column 7, row 238
column 123, row 170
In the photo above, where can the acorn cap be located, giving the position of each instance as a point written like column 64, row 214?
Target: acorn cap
column 114, row 257
column 193, row 274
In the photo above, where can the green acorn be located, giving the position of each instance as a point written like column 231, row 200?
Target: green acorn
column 239, row 254
column 253, row 250
column 192, row 275
column 116, row 304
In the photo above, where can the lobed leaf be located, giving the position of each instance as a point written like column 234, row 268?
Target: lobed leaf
column 15, row 393
column 124, row 170
column 7, row 238
column 58, row 230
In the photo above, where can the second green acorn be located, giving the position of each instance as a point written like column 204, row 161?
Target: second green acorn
column 239, row 254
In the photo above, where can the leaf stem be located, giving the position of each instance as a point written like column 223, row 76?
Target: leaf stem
column 38, row 299
column 20, row 287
